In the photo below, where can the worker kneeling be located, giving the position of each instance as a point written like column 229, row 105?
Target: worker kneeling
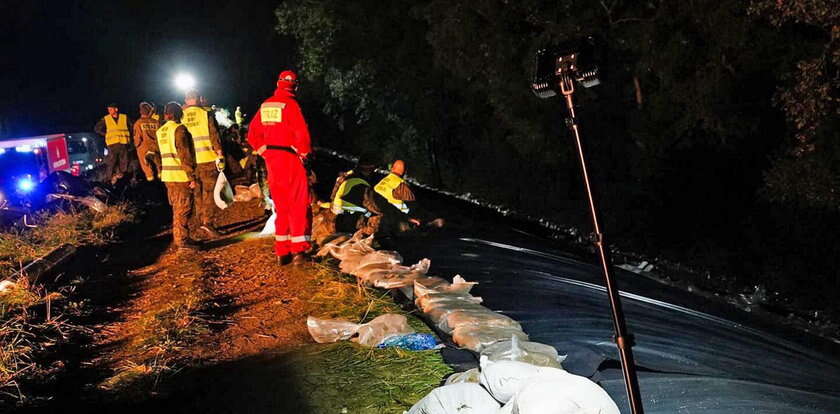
column 384, row 210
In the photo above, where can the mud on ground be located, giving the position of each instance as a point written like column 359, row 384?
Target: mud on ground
column 223, row 329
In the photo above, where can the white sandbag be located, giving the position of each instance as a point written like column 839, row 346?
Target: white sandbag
column 402, row 276
column 503, row 379
column 382, row 327
column 470, row 375
column 453, row 303
column 484, row 317
column 438, row 313
column 476, row 338
column 437, row 285
column 533, row 353
column 371, row 273
column 375, row 262
column 429, row 301
column 463, row 398
column 561, row 394
column 330, row 330
column 222, row 194
column 332, row 247
column 379, row 257
column 369, row 334
column 354, row 249
column 268, row 229
column 424, row 286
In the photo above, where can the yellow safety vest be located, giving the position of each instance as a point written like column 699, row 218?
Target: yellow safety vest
column 340, row 205
column 195, row 119
column 386, row 188
column 170, row 171
column 116, row 132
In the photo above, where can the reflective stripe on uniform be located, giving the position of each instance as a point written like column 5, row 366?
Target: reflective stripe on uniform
column 116, row 132
column 282, row 238
column 170, row 171
column 301, row 239
column 197, row 122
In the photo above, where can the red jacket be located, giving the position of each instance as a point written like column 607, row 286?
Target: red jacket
column 279, row 121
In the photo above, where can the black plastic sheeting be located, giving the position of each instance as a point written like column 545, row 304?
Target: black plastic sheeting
column 693, row 354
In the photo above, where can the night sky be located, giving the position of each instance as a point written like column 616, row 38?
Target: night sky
column 65, row 60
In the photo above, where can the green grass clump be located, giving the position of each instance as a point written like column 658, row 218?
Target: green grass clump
column 22, row 337
column 348, row 376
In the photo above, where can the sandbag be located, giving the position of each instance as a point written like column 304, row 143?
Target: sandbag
column 222, row 194
column 484, row 318
column 463, row 398
column 476, row 338
column 331, row 248
column 377, row 261
column 402, row 276
column 440, row 311
column 268, row 228
column 330, row 330
column 470, row 375
column 381, row 328
column 429, row 285
column 369, row 334
column 533, row 353
column 429, row 300
column 380, row 256
column 503, row 379
column 561, row 394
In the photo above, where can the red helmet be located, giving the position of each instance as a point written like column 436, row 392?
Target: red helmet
column 287, row 79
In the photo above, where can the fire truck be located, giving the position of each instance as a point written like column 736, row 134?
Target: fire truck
column 28, row 161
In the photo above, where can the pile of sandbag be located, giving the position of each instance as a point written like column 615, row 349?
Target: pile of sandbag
column 509, row 385
column 516, row 376
column 452, row 308
column 380, row 268
column 368, row 334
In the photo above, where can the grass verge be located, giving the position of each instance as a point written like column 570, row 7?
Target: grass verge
column 347, row 377
column 25, row 334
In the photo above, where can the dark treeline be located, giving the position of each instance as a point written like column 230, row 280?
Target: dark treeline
column 713, row 137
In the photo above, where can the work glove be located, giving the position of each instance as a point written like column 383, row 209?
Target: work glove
column 220, row 164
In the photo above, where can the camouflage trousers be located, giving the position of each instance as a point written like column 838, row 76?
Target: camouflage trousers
column 205, row 207
column 149, row 161
column 180, row 198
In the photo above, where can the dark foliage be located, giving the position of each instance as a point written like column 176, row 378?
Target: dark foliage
column 688, row 135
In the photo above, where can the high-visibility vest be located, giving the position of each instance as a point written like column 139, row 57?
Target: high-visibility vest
column 386, row 188
column 116, row 132
column 339, row 205
column 170, row 171
column 195, row 119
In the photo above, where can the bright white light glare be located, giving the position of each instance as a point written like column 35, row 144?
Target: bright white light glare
column 23, row 148
column 84, row 139
column 2, row 151
column 184, row 82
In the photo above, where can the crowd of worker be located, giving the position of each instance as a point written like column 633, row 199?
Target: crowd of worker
column 187, row 149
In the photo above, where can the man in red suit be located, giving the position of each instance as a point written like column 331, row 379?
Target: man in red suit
column 279, row 134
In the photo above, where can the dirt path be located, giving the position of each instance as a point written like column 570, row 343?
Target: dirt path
column 223, row 329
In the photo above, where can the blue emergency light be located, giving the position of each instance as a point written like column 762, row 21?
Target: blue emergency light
column 25, row 184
